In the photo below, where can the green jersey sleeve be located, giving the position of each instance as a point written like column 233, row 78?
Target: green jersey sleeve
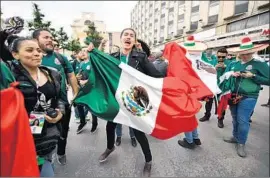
column 262, row 78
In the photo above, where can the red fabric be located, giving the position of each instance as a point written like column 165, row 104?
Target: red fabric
column 180, row 66
column 177, row 110
column 223, row 104
column 18, row 155
column 182, row 89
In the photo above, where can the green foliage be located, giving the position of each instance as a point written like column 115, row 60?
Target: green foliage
column 73, row 45
column 92, row 35
column 38, row 21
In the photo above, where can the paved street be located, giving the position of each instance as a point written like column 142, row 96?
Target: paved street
column 213, row 158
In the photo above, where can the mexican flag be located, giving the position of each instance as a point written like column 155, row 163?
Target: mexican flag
column 191, row 69
column 161, row 107
column 18, row 154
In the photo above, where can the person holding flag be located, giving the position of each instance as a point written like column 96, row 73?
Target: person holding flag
column 241, row 84
column 195, row 50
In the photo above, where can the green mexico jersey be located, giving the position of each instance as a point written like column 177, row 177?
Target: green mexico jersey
column 250, row 86
column 50, row 60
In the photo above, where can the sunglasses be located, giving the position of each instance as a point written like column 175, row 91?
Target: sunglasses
column 221, row 57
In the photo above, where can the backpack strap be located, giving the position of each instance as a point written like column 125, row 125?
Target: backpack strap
column 61, row 60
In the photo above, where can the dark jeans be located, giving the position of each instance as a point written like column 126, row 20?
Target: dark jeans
column 208, row 107
column 140, row 136
column 62, row 141
column 82, row 115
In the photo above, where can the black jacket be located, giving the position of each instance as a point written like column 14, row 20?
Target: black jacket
column 4, row 51
column 139, row 61
column 46, row 142
column 28, row 85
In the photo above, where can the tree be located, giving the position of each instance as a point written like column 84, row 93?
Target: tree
column 62, row 38
column 73, row 45
column 92, row 35
column 38, row 21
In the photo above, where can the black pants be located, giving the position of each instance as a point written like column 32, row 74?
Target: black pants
column 82, row 115
column 62, row 141
column 140, row 136
column 208, row 107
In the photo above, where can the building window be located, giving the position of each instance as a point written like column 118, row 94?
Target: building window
column 250, row 22
column 194, row 25
column 195, row 3
column 162, row 21
column 170, row 30
column 181, row 2
column 212, row 19
column 161, row 32
column 87, row 22
column 171, row 16
column 214, row 3
column 264, row 18
column 240, row 7
column 181, row 10
column 180, row 31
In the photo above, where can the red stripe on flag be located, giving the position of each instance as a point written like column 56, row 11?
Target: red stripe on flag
column 180, row 66
column 177, row 109
column 18, row 154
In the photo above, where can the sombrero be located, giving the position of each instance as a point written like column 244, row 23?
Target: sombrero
column 192, row 45
column 247, row 47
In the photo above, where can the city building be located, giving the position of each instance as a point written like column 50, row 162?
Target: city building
column 80, row 25
column 217, row 23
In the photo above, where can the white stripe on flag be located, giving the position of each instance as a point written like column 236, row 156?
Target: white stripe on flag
column 132, row 77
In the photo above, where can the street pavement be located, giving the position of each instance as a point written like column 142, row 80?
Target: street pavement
column 213, row 158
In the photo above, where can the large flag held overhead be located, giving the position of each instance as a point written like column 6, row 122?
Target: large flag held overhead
column 192, row 69
column 119, row 93
column 18, row 154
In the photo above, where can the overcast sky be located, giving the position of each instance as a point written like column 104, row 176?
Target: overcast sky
column 115, row 14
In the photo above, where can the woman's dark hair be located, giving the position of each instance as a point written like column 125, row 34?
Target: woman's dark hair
column 14, row 46
column 145, row 47
column 33, row 124
column 11, row 38
column 128, row 29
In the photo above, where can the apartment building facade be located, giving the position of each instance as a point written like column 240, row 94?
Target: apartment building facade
column 217, row 23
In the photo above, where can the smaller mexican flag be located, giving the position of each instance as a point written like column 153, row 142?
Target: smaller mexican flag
column 161, row 107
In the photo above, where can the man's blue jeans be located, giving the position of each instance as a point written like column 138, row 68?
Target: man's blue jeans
column 241, row 113
column 118, row 131
column 192, row 135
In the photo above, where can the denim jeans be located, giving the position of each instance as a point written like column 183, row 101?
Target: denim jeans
column 191, row 135
column 47, row 169
column 241, row 115
column 118, row 131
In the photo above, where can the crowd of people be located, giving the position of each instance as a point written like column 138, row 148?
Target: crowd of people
column 45, row 76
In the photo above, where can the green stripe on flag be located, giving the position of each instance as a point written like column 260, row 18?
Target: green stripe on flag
column 189, row 44
column 98, row 94
column 246, row 46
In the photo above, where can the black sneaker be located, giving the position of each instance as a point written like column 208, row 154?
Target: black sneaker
column 118, row 141
column 93, row 129
column 197, row 141
column 105, row 155
column 220, row 123
column 147, row 169
column 185, row 144
column 204, row 118
column 133, row 142
column 81, row 127
column 62, row 159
